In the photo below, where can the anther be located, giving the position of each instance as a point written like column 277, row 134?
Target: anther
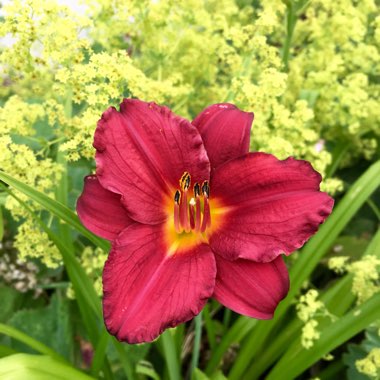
column 185, row 181
column 206, row 189
column 197, row 190
column 177, row 197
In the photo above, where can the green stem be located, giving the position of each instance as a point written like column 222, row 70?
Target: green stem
column 227, row 317
column 338, row 154
column 197, row 344
column 291, row 19
column 209, row 328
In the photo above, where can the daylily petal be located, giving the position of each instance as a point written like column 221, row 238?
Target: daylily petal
column 146, row 290
column 225, row 132
column 250, row 288
column 271, row 206
column 142, row 152
column 101, row 210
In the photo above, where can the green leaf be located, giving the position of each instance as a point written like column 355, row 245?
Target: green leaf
column 36, row 367
column 147, row 369
column 298, row 359
column 1, row 224
column 9, row 300
column 56, row 208
column 199, row 375
column 50, row 325
column 197, row 343
column 6, row 351
column 171, row 355
column 29, row 341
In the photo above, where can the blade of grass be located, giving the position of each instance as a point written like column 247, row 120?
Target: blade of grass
column 146, row 368
column 235, row 334
column 1, row 224
column 291, row 19
column 308, row 259
column 100, row 353
column 298, row 359
column 61, row 195
column 209, row 328
column 197, row 344
column 56, row 208
column 124, row 360
column 171, row 356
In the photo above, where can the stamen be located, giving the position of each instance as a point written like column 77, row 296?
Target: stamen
column 206, row 222
column 192, row 215
column 197, row 193
column 184, row 212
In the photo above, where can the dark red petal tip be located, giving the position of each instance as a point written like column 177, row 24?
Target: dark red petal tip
column 101, row 210
column 250, row 288
column 225, row 131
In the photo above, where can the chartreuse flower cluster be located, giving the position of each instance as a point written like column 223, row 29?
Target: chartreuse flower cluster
column 61, row 68
column 309, row 309
column 370, row 365
column 365, row 273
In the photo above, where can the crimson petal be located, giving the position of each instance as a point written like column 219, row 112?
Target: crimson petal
column 273, row 206
column 225, row 132
column 142, row 152
column 146, row 290
column 250, row 288
column 101, row 210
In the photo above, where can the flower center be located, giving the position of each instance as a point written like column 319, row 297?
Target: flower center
column 192, row 214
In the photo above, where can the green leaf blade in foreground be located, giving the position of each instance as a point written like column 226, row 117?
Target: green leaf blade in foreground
column 308, row 259
column 299, row 359
column 56, row 208
column 29, row 341
column 36, row 367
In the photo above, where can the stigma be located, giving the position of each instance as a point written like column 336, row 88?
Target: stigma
column 191, row 211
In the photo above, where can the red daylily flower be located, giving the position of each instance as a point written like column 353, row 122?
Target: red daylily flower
column 191, row 214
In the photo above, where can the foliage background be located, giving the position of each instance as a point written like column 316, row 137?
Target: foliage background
column 308, row 69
